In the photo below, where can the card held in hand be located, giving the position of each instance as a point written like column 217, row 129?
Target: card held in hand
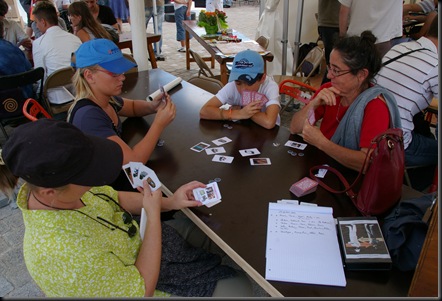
column 208, row 195
column 251, row 96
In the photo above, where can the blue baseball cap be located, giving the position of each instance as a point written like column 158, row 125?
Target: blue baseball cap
column 102, row 52
column 246, row 66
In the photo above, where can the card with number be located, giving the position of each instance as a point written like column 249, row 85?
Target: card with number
column 221, row 141
column 311, row 116
column 249, row 152
column 199, row 147
column 295, row 144
column 251, row 96
column 137, row 172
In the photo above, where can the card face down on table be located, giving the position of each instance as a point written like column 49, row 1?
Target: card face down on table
column 362, row 244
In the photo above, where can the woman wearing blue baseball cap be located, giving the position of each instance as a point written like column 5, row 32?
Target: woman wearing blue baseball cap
column 250, row 94
column 99, row 76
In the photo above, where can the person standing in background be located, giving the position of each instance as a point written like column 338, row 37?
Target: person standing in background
column 328, row 27
column 158, row 20
column 382, row 18
column 182, row 12
column 212, row 5
column 121, row 11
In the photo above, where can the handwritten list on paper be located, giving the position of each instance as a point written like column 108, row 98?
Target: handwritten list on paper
column 302, row 245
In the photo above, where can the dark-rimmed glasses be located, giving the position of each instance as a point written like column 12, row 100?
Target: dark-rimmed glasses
column 336, row 72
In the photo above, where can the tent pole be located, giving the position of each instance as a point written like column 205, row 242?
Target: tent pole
column 284, row 40
column 298, row 34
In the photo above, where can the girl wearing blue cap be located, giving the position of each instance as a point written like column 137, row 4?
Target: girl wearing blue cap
column 99, row 76
column 250, row 94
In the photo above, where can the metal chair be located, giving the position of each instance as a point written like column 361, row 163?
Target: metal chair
column 13, row 95
column 204, row 69
column 306, row 68
column 58, row 79
column 33, row 110
column 296, row 90
column 206, row 83
column 263, row 41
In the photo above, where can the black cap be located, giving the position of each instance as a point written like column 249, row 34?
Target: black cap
column 52, row 153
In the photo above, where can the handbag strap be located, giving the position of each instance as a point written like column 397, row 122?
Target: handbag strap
column 401, row 55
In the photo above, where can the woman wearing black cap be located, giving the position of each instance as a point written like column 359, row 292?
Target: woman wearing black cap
column 82, row 241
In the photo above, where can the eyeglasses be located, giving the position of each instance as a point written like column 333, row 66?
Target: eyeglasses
column 109, row 73
column 336, row 72
column 127, row 217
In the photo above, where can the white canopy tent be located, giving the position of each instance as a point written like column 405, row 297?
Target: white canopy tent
column 298, row 26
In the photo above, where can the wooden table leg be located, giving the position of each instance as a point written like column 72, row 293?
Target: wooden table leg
column 224, row 78
column 153, row 59
column 187, row 50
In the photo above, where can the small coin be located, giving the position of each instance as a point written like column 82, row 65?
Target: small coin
column 217, row 179
column 275, row 144
column 301, row 154
column 211, row 181
column 230, row 127
column 225, row 125
column 293, row 154
column 290, row 151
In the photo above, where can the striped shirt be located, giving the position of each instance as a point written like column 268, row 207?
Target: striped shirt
column 413, row 79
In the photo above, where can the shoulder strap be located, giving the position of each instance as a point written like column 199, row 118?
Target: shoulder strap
column 401, row 55
column 81, row 103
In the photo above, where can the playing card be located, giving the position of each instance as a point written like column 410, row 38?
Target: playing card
column 215, row 150
column 128, row 173
column 260, row 161
column 208, row 195
column 145, row 173
column 311, row 117
column 163, row 98
column 199, row 147
column 251, row 96
column 249, row 152
column 303, row 187
column 222, row 159
column 321, row 172
column 221, row 141
column 295, row 144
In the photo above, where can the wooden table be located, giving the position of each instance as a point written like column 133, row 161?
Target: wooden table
column 197, row 32
column 126, row 42
column 239, row 223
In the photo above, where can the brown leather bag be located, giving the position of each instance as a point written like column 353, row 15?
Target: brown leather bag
column 381, row 186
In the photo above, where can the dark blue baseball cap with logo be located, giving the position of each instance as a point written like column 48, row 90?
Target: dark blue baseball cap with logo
column 247, row 65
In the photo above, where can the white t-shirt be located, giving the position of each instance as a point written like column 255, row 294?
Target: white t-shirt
column 229, row 94
column 211, row 5
column 382, row 17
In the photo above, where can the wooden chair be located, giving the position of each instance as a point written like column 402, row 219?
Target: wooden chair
column 204, row 69
column 33, row 110
column 131, row 58
column 59, row 78
column 211, row 85
column 296, row 90
column 12, row 96
column 263, row 41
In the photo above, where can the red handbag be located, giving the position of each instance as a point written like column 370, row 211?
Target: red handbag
column 381, row 186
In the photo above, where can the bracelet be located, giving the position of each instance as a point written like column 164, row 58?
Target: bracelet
column 221, row 113
column 230, row 114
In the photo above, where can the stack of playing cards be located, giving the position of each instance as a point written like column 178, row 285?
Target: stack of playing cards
column 251, row 96
column 209, row 195
column 303, row 187
column 137, row 172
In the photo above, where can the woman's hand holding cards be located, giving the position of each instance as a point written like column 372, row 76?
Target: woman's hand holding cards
column 165, row 113
column 183, row 197
column 151, row 200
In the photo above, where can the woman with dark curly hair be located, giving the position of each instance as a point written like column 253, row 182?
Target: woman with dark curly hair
column 352, row 107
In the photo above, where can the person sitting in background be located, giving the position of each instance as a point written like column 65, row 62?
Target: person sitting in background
column 99, row 76
column 353, row 110
column 13, row 61
column 414, row 81
column 12, row 31
column 80, row 236
column 38, row 33
column 102, row 14
column 85, row 26
column 158, row 20
column 53, row 49
column 247, row 77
